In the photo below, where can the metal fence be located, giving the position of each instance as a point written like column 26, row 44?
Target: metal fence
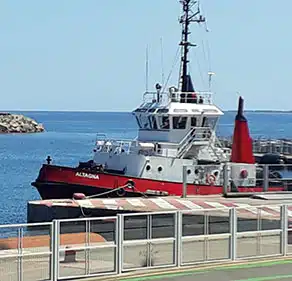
column 266, row 177
column 26, row 252
column 76, row 248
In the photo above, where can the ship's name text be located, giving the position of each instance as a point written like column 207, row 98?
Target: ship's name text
column 86, row 175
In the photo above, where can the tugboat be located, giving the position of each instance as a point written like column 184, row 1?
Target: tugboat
column 177, row 128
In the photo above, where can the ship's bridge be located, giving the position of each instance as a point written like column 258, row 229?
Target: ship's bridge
column 170, row 116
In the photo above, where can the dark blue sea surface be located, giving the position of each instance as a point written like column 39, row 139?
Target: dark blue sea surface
column 69, row 138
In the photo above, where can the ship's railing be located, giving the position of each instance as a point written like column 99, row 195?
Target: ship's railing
column 272, row 146
column 196, row 134
column 104, row 144
column 222, row 153
column 263, row 146
column 192, row 97
column 239, row 177
column 153, row 97
column 198, row 97
column 134, row 146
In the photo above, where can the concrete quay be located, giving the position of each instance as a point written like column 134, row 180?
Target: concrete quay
column 250, row 213
column 48, row 210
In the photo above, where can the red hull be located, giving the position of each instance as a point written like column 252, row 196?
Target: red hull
column 62, row 182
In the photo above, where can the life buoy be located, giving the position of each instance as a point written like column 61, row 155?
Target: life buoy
column 211, row 179
column 243, row 174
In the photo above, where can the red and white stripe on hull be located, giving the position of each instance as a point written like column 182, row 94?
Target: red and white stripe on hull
column 50, row 174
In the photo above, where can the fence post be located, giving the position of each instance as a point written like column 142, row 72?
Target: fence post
column 149, row 242
column 284, row 227
column 55, row 236
column 233, row 232
column 185, row 182
column 179, row 216
column 20, row 253
column 266, row 178
column 225, row 179
column 87, row 251
column 120, row 239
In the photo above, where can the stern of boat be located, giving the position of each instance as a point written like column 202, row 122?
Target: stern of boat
column 243, row 174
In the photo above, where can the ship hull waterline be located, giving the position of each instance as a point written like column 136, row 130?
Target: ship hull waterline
column 60, row 182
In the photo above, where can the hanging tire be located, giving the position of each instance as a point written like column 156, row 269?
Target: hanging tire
column 121, row 192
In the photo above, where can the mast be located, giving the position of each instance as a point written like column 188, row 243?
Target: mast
column 186, row 19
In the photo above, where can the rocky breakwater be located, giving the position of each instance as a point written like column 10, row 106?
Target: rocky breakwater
column 17, row 123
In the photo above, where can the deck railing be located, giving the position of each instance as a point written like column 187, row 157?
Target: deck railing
column 196, row 134
column 164, row 98
column 264, row 178
column 262, row 146
column 106, row 144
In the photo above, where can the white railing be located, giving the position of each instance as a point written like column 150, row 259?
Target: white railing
column 164, row 98
column 105, row 144
column 262, row 146
column 192, row 97
column 112, row 246
column 196, row 134
column 152, row 97
column 265, row 178
column 272, row 146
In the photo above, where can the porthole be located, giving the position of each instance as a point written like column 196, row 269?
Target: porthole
column 197, row 171
column 148, row 168
column 159, row 169
column 189, row 171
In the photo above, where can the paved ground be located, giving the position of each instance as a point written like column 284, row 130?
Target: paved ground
column 260, row 271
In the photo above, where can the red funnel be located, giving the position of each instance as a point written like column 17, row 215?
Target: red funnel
column 242, row 151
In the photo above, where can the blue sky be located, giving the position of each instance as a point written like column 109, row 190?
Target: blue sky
column 90, row 55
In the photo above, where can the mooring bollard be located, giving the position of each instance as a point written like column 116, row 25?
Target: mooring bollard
column 185, row 182
column 70, row 255
column 225, row 179
column 266, row 178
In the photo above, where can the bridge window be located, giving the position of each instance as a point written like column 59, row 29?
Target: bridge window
column 205, row 122
column 193, row 121
column 162, row 110
column 144, row 122
column 153, row 122
column 212, row 121
column 209, row 122
column 163, row 122
column 179, row 122
column 138, row 122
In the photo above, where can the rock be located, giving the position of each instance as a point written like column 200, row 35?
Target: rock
column 3, row 128
column 17, row 123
